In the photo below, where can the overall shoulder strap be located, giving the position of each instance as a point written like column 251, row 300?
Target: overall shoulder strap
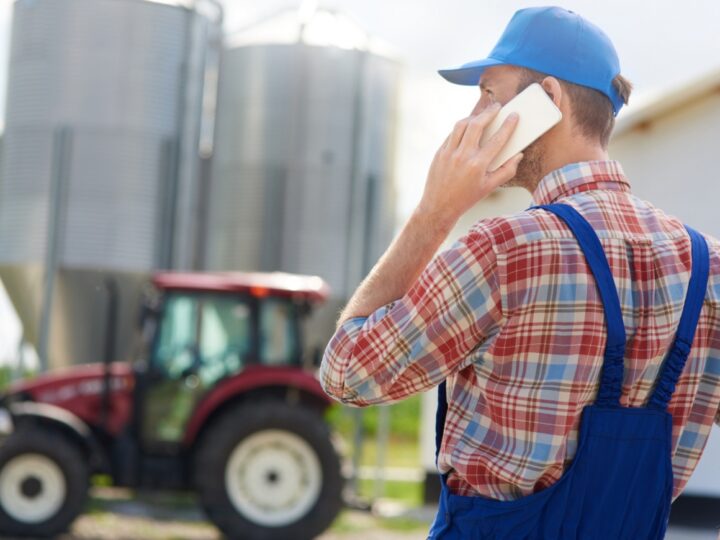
column 612, row 371
column 678, row 353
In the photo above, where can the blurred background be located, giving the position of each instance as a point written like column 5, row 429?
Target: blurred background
column 263, row 136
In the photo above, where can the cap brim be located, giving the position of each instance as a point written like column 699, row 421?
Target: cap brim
column 469, row 74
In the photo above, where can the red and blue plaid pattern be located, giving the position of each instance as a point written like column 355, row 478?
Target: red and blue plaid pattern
column 511, row 317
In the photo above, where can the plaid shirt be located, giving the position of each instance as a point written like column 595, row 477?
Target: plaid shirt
column 510, row 316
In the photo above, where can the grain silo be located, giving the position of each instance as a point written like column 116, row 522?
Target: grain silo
column 302, row 172
column 104, row 123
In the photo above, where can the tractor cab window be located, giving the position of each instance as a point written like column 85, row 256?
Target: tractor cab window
column 203, row 339
column 176, row 350
column 225, row 338
column 204, row 335
column 278, row 332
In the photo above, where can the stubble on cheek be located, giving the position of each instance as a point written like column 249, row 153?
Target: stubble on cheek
column 530, row 168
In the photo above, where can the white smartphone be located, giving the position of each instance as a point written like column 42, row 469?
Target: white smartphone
column 537, row 114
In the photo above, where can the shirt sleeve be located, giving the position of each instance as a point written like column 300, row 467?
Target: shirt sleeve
column 417, row 341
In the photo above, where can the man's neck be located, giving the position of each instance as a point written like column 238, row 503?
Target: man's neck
column 553, row 163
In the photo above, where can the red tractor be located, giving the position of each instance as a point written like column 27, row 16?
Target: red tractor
column 218, row 401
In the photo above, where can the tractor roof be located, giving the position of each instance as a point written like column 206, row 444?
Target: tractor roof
column 312, row 288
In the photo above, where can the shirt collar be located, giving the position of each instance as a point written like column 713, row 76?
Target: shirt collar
column 578, row 177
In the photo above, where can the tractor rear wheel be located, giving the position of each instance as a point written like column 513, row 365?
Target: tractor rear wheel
column 43, row 483
column 269, row 471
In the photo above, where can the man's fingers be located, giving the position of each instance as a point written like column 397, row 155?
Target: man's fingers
column 477, row 125
column 493, row 146
column 503, row 174
column 458, row 132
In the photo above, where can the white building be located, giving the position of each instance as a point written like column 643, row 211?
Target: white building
column 668, row 148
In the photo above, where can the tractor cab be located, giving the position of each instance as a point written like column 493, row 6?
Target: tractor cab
column 219, row 401
column 203, row 329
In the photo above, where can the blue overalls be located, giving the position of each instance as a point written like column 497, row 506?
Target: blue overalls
column 619, row 485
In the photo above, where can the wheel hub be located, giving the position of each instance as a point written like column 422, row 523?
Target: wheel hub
column 273, row 478
column 31, row 487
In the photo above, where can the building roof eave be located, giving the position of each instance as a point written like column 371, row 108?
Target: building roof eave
column 664, row 102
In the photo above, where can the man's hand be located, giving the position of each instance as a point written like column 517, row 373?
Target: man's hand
column 458, row 176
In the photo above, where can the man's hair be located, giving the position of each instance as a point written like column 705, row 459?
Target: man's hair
column 592, row 110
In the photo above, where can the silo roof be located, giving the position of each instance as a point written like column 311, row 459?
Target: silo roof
column 312, row 26
column 192, row 5
column 182, row 3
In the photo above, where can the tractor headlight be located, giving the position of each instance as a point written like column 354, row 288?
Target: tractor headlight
column 6, row 422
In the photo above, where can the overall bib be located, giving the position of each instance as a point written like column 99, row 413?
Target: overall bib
column 619, row 484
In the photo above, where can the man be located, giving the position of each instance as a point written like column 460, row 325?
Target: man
column 519, row 321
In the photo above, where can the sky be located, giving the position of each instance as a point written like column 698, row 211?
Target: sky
column 661, row 44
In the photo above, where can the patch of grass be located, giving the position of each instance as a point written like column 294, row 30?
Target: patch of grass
column 349, row 522
column 402, row 524
column 345, row 524
column 409, row 493
column 400, row 452
column 403, row 449
column 404, row 419
column 9, row 374
column 101, row 480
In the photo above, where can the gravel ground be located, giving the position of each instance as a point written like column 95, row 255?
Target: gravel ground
column 116, row 514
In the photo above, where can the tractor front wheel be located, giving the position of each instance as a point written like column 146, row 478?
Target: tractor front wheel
column 43, row 483
column 269, row 471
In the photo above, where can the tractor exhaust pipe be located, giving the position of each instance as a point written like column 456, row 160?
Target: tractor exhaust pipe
column 111, row 289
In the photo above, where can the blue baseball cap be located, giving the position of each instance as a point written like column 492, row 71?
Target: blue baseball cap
column 554, row 41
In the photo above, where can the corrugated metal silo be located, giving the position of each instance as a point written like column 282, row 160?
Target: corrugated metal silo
column 302, row 173
column 101, row 154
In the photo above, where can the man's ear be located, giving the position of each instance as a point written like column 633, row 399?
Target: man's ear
column 553, row 88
